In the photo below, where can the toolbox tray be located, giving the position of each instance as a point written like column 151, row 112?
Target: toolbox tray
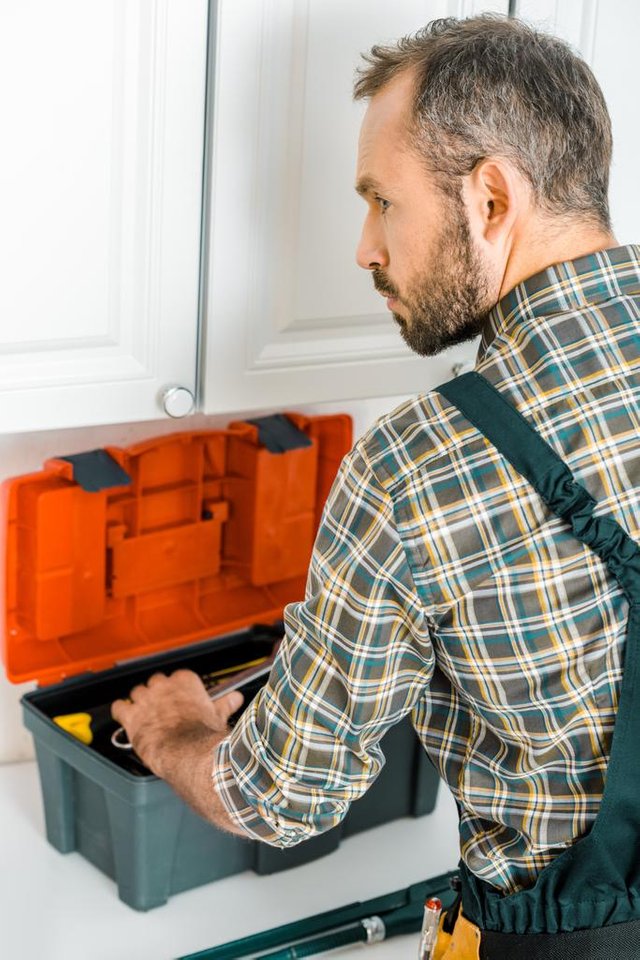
column 180, row 552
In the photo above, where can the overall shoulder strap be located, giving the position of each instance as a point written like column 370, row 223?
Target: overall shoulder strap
column 593, row 883
column 521, row 444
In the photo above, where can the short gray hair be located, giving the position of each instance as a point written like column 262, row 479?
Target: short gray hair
column 495, row 86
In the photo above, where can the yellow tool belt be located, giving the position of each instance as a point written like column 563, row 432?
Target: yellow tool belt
column 462, row 944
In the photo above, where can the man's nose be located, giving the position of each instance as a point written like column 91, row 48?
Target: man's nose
column 371, row 253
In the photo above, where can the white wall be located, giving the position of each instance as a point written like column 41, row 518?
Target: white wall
column 22, row 453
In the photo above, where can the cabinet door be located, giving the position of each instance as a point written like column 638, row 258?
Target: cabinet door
column 100, row 192
column 290, row 316
column 607, row 34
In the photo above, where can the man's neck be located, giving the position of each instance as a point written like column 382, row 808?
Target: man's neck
column 552, row 245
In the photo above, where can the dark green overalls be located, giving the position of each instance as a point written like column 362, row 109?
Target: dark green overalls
column 589, row 897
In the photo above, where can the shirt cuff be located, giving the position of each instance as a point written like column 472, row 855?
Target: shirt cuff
column 258, row 817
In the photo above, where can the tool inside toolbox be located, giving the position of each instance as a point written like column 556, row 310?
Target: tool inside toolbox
column 94, row 699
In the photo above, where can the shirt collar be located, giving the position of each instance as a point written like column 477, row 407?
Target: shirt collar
column 562, row 288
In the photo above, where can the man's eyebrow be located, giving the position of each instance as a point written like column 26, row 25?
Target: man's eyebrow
column 367, row 185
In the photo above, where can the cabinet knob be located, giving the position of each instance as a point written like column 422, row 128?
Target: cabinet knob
column 177, row 402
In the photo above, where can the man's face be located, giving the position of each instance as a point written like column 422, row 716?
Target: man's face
column 415, row 239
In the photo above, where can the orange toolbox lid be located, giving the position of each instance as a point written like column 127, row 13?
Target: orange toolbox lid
column 120, row 553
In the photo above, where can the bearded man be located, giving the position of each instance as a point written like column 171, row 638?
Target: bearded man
column 476, row 564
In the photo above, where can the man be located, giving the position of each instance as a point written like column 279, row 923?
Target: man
column 459, row 572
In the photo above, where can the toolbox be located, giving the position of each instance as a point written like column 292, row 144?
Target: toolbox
column 178, row 552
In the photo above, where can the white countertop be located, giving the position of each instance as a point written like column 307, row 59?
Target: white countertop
column 60, row 907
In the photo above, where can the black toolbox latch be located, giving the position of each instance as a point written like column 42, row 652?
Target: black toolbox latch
column 96, row 470
column 278, row 434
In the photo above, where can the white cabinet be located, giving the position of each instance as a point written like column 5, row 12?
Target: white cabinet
column 101, row 191
column 607, row 34
column 102, row 125
column 290, row 317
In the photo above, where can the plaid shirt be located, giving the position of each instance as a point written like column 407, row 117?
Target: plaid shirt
column 442, row 586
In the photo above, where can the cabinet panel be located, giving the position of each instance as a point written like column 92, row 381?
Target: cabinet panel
column 101, row 199
column 616, row 43
column 607, row 35
column 290, row 316
column 573, row 20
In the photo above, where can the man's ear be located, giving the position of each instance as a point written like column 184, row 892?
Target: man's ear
column 494, row 193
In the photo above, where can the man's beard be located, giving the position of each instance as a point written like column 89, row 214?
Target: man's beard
column 448, row 305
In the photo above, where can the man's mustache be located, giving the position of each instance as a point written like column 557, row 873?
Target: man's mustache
column 382, row 286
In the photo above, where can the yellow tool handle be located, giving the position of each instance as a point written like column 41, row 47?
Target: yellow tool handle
column 77, row 724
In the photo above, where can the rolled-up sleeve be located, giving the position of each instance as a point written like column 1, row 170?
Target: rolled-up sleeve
column 356, row 657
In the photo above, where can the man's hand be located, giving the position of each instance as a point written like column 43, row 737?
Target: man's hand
column 174, row 728
column 169, row 710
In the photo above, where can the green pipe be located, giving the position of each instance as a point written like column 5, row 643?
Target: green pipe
column 354, row 933
column 401, row 912
column 277, row 936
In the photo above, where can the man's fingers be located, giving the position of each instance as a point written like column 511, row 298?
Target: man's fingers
column 180, row 696
column 187, row 679
column 139, row 693
column 156, row 678
column 228, row 704
column 118, row 708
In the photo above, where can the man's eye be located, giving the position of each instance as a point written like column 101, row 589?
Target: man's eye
column 383, row 204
